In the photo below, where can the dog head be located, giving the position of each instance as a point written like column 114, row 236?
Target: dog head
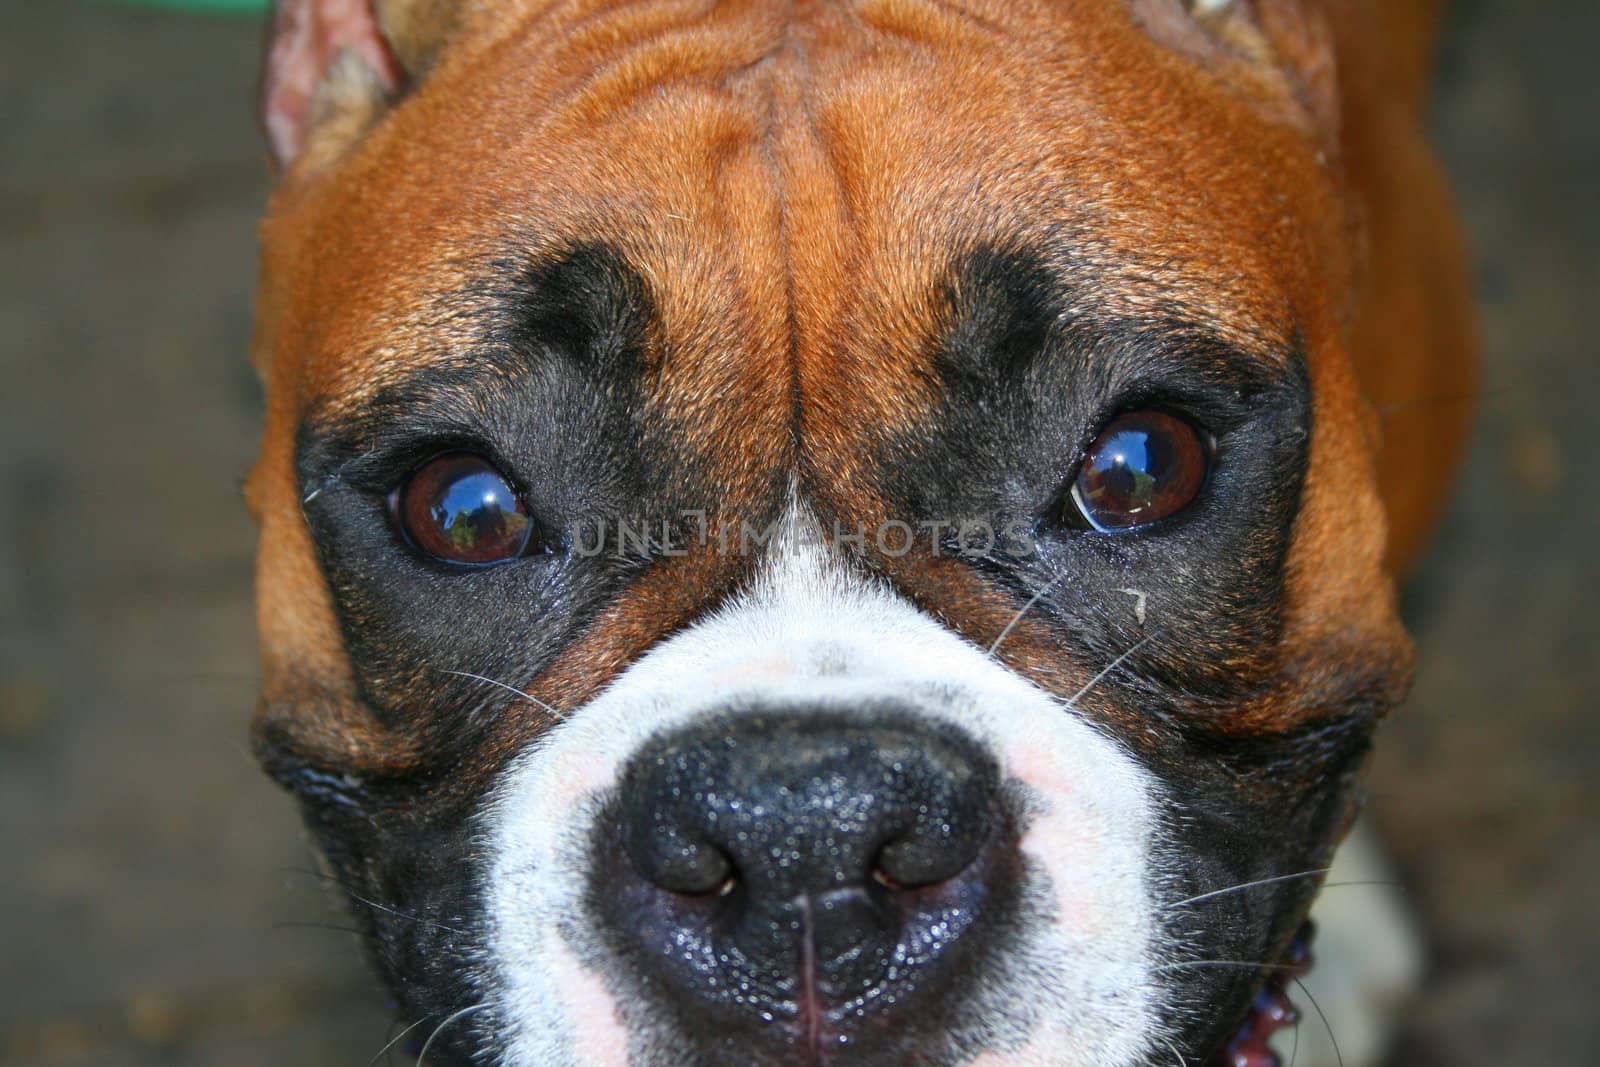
column 817, row 533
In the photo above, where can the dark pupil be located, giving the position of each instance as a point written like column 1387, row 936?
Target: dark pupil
column 1144, row 467
column 459, row 508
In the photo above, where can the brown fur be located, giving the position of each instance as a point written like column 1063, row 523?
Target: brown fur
column 789, row 178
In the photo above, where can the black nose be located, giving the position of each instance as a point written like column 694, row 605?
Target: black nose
column 803, row 876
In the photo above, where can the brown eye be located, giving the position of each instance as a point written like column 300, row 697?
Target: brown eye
column 1145, row 466
column 460, row 509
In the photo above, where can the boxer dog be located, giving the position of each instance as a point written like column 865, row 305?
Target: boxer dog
column 843, row 532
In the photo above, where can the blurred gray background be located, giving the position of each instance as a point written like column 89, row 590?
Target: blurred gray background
column 154, row 908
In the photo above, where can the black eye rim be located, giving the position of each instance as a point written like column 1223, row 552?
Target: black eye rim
column 536, row 543
column 1069, row 510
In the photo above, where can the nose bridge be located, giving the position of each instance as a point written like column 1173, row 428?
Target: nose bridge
column 805, row 818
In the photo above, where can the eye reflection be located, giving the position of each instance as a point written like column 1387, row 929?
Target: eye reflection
column 1144, row 467
column 460, row 509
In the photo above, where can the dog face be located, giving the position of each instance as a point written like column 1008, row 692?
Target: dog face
column 841, row 535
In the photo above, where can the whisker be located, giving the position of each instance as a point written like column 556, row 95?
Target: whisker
column 1294, row 1050
column 1246, row 885
column 384, row 1051
column 1337, row 1055
column 507, row 688
column 1244, row 964
column 472, row 1009
column 336, row 476
column 1390, row 882
column 1435, row 400
column 373, row 903
column 402, row 915
column 1178, row 1053
column 312, row 872
column 335, row 927
column 1044, row 591
column 1113, row 665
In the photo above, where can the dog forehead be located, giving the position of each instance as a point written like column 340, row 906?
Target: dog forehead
column 792, row 186
column 787, row 203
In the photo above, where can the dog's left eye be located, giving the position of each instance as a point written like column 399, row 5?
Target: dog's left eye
column 1144, row 466
column 459, row 508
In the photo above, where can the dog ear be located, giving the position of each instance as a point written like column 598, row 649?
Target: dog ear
column 1292, row 41
column 333, row 67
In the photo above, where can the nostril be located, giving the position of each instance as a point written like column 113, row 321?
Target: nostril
column 707, row 872
column 887, row 880
column 672, row 860
column 936, row 850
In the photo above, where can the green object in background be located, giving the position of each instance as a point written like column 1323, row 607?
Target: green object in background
column 209, row 7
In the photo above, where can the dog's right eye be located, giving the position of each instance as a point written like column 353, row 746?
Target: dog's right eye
column 460, row 509
column 1145, row 466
